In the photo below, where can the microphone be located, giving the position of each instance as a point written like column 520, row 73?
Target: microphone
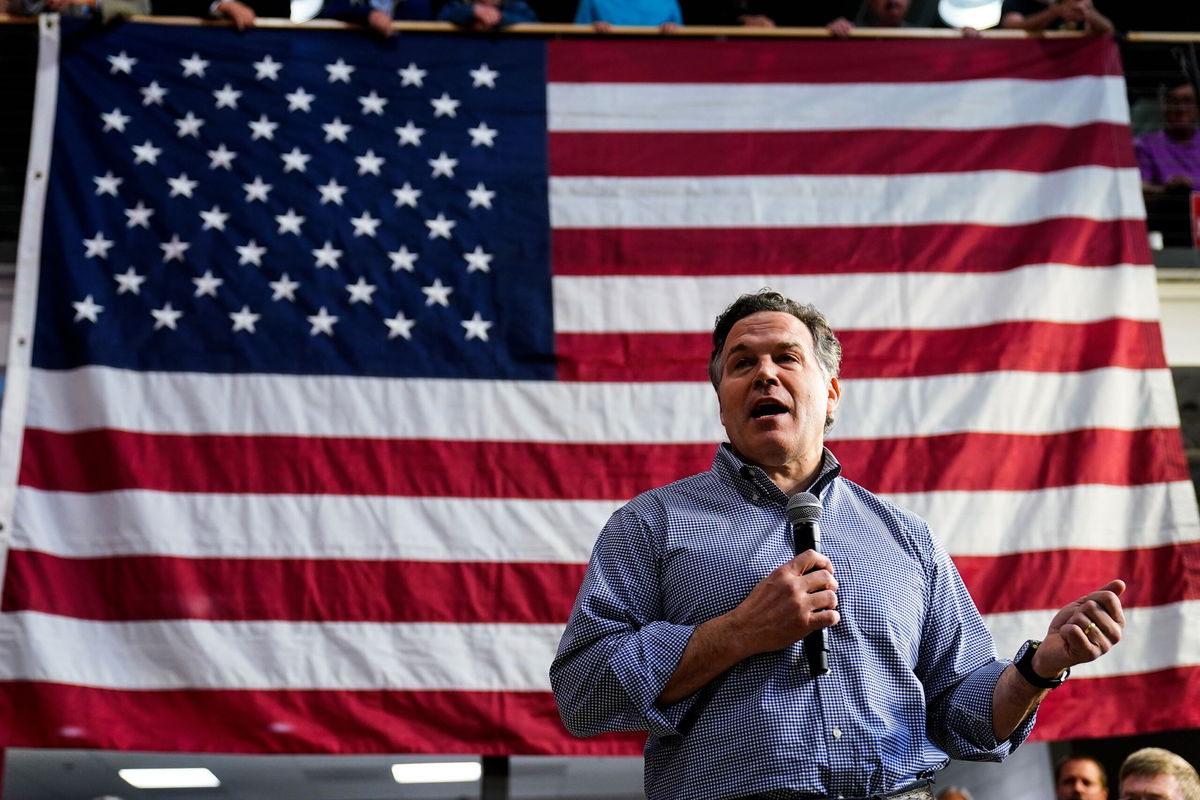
column 804, row 513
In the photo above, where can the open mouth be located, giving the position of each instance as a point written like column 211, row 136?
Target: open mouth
column 767, row 408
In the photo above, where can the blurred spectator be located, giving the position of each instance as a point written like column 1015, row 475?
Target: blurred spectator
column 242, row 14
column 1080, row 777
column 765, row 13
column 603, row 14
column 882, row 14
column 954, row 793
column 486, row 15
column 107, row 9
column 1153, row 773
column 1041, row 15
column 1169, row 160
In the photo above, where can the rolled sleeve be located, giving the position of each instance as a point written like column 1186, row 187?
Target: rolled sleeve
column 616, row 654
column 968, row 718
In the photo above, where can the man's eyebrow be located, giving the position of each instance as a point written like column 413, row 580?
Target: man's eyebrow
column 791, row 344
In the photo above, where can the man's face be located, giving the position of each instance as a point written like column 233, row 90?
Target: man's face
column 1079, row 779
column 890, row 13
column 773, row 394
column 1151, row 787
column 1179, row 111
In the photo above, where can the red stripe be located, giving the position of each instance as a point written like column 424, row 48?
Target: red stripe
column 1017, row 582
column 1023, row 346
column 1124, row 705
column 163, row 587
column 39, row 714
column 873, row 152
column 106, row 460
column 697, row 252
column 697, row 61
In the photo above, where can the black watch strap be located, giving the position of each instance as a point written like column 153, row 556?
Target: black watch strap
column 1024, row 665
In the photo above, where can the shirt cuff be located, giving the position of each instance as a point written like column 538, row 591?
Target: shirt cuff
column 971, row 712
column 644, row 664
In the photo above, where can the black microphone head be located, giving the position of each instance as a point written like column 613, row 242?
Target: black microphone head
column 803, row 507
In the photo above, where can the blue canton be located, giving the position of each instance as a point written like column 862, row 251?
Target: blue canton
column 913, row 667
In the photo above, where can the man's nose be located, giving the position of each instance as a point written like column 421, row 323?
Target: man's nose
column 766, row 374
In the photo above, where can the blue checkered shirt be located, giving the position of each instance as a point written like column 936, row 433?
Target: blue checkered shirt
column 913, row 667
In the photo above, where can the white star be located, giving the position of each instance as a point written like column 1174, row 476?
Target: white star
column 295, row 160
column 400, row 325
column 174, row 249
column 139, row 216
column 146, row 153
column 183, row 185
column 98, row 246
column 332, row 192
column 262, row 128
column 402, row 259
column 87, row 309
column 115, row 120
column 153, row 94
column 361, row 291
column 193, row 66
column 251, row 253
column 410, row 134
column 189, row 125
column 300, row 100
column 365, row 225
column 339, row 71
column 373, row 103
column 121, row 63
column 412, row 75
column 244, row 320
column 267, row 68
column 481, row 134
column 445, row 106
column 476, row 327
column 322, row 322
column 129, row 281
column 221, row 157
column 165, row 317
column 481, row 196
column 227, row 96
column 443, row 165
column 437, row 294
column 406, row 195
column 478, row 260
column 207, row 284
column 257, row 190
column 336, row 130
column 368, row 163
column 107, row 183
column 289, row 222
column 214, row 218
column 484, row 76
column 440, row 226
column 284, row 288
column 327, row 256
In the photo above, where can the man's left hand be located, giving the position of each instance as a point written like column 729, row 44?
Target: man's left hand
column 1082, row 631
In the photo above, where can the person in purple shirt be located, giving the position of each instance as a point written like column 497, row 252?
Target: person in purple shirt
column 1169, row 160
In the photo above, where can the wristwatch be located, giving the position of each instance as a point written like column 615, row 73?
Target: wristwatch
column 1024, row 665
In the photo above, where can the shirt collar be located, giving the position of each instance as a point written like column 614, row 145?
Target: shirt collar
column 753, row 484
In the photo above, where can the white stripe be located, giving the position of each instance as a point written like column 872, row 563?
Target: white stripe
column 991, row 197
column 884, row 301
column 1155, row 638
column 1088, row 517
column 950, row 105
column 995, row 402
column 554, row 531
column 179, row 654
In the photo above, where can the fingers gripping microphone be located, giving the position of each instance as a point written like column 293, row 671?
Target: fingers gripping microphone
column 804, row 514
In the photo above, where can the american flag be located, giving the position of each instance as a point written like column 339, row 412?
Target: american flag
column 332, row 355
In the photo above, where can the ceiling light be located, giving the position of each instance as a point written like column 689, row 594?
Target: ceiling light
column 437, row 772
column 181, row 778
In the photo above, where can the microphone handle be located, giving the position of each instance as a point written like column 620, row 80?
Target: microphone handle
column 807, row 536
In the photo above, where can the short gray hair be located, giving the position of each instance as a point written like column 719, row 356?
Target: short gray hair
column 825, row 342
column 1156, row 761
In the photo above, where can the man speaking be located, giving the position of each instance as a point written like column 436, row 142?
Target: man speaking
column 690, row 620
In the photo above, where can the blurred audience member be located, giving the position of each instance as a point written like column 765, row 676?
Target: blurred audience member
column 883, row 14
column 1169, row 160
column 1153, row 773
column 603, row 14
column 1041, row 15
column 954, row 793
column 486, row 15
column 106, row 9
column 1080, row 777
